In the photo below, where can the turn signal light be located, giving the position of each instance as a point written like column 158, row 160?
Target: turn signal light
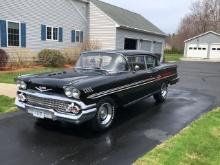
column 21, row 97
column 72, row 108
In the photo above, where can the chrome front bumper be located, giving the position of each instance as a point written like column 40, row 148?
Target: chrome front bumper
column 87, row 111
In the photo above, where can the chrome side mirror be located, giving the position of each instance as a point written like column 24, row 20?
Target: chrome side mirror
column 136, row 68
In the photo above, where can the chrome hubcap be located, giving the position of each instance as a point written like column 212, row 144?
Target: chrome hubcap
column 105, row 113
column 164, row 91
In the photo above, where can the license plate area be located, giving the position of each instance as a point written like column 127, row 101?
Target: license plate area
column 40, row 113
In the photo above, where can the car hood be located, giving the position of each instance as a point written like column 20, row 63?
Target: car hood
column 61, row 79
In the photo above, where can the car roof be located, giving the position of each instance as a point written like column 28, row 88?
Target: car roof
column 124, row 52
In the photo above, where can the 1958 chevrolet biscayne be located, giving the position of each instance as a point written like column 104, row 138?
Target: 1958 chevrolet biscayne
column 100, row 84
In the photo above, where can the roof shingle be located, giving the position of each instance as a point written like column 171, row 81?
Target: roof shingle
column 127, row 19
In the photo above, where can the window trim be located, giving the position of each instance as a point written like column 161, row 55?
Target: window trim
column 79, row 36
column 156, row 62
column 52, row 27
column 76, row 37
column 57, row 33
column 7, row 21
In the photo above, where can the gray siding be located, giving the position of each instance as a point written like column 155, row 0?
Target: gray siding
column 122, row 34
column 56, row 13
column 102, row 28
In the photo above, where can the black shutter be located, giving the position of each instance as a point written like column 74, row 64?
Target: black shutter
column 3, row 32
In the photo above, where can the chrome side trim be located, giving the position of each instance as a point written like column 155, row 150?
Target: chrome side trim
column 126, row 87
column 41, row 95
column 135, row 101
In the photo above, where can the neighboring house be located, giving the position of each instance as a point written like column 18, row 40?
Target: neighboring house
column 205, row 46
column 167, row 46
column 38, row 24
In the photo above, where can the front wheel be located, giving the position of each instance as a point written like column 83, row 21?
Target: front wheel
column 105, row 115
column 162, row 95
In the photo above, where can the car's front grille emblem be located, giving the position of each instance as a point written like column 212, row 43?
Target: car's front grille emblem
column 43, row 89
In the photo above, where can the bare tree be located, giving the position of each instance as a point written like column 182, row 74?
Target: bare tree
column 204, row 16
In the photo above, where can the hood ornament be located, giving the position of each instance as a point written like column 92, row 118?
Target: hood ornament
column 43, row 89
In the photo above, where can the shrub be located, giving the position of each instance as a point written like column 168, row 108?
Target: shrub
column 71, row 55
column 51, row 58
column 90, row 45
column 3, row 58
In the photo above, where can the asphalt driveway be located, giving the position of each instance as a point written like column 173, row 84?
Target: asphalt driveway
column 138, row 129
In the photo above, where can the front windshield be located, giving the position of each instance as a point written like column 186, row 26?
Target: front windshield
column 102, row 61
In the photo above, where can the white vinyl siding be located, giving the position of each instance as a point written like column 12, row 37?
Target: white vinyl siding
column 102, row 28
column 56, row 13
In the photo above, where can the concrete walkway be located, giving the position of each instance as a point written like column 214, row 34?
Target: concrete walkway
column 8, row 90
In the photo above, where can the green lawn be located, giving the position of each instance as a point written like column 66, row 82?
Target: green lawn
column 198, row 144
column 173, row 57
column 8, row 77
column 7, row 104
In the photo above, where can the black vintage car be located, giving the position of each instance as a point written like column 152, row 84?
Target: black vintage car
column 100, row 84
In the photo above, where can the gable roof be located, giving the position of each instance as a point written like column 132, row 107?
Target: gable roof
column 202, row 35
column 127, row 19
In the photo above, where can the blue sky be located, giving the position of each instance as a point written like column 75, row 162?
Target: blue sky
column 166, row 14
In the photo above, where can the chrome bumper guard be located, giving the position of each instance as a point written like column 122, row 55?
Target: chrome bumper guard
column 87, row 111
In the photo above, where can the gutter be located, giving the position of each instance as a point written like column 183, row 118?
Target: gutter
column 141, row 30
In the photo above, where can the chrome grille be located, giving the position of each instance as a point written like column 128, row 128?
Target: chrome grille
column 57, row 105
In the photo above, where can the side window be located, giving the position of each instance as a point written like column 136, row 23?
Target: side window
column 121, row 64
column 151, row 62
column 13, row 34
column 137, row 60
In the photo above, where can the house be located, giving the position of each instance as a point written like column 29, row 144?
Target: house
column 167, row 46
column 33, row 25
column 206, row 46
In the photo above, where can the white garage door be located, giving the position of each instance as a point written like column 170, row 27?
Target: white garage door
column 215, row 51
column 158, row 47
column 197, row 51
column 146, row 45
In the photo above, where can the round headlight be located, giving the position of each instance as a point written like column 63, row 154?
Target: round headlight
column 68, row 92
column 76, row 93
column 72, row 92
column 21, row 85
column 18, row 83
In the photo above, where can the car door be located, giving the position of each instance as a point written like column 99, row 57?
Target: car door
column 141, row 79
column 153, row 68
